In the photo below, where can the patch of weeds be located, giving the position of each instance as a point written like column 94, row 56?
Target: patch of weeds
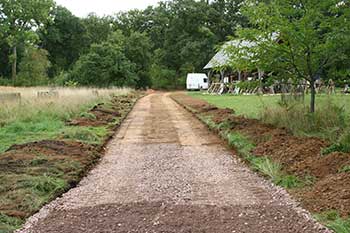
column 88, row 115
column 345, row 169
column 273, row 170
column 343, row 145
column 334, row 221
column 90, row 135
column 241, row 143
column 9, row 224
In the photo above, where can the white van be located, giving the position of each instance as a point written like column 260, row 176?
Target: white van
column 197, row 81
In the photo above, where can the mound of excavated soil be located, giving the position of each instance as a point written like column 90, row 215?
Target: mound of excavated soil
column 300, row 156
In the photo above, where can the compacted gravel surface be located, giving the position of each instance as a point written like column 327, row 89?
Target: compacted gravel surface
column 165, row 172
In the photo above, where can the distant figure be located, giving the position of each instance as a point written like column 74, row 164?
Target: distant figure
column 331, row 87
column 346, row 89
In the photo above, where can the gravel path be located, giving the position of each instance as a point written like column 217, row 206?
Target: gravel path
column 165, row 172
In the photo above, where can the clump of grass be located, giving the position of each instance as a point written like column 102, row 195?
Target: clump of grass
column 241, row 143
column 90, row 135
column 273, row 170
column 334, row 221
column 327, row 122
column 342, row 145
column 9, row 224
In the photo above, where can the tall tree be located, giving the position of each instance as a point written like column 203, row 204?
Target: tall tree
column 65, row 38
column 19, row 19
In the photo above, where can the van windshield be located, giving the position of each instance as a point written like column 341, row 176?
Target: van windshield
column 205, row 80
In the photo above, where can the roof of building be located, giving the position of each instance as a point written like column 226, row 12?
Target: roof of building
column 222, row 58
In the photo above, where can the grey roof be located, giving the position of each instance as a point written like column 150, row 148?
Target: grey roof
column 222, row 58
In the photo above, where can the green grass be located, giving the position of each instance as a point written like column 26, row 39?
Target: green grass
column 9, row 224
column 334, row 221
column 90, row 135
column 252, row 105
column 21, row 132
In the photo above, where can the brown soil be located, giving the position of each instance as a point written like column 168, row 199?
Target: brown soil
column 299, row 156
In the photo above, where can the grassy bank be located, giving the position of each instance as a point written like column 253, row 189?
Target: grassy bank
column 48, row 145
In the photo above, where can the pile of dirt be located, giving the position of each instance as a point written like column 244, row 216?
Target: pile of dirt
column 300, row 156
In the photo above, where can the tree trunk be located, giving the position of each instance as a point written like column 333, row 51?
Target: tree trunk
column 14, row 64
column 313, row 95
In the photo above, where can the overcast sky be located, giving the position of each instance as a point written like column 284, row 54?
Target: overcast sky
column 103, row 7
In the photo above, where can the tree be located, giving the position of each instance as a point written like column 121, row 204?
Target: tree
column 98, row 29
column 65, row 38
column 138, row 50
column 297, row 39
column 33, row 67
column 105, row 65
column 18, row 21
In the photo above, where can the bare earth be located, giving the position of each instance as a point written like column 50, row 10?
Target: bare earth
column 165, row 172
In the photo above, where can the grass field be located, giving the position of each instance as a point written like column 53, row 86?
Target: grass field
column 253, row 105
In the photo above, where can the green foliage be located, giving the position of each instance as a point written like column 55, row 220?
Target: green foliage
column 65, row 38
column 162, row 78
column 334, row 221
column 295, row 40
column 18, row 22
column 33, row 68
column 105, row 65
column 248, row 84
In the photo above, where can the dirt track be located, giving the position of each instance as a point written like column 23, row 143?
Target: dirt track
column 165, row 172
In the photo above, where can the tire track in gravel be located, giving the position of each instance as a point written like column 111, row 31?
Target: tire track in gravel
column 165, row 172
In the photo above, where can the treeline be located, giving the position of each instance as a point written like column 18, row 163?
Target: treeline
column 42, row 43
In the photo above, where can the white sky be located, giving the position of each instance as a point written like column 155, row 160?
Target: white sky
column 82, row 8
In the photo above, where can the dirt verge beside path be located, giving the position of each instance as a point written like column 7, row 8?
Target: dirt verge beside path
column 327, row 188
